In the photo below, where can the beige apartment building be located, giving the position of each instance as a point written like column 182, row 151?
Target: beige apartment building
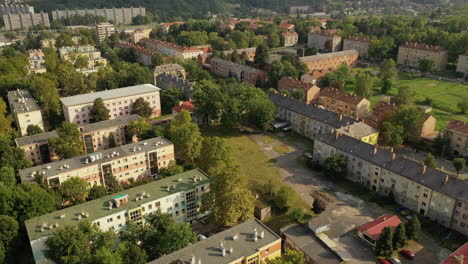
column 324, row 41
column 36, row 147
column 410, row 54
column 462, row 64
column 290, row 38
column 171, row 49
column 135, row 161
column 361, row 45
column 36, row 60
column 344, row 103
column 330, row 61
column 119, row 101
column 458, row 134
column 243, row 73
column 311, row 91
column 427, row 191
column 173, row 69
column 24, row 110
column 139, row 34
column 104, row 30
column 123, row 15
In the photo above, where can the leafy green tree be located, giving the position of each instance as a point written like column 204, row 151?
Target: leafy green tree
column 284, row 198
column 74, row 190
column 10, row 34
column 335, row 167
column 364, row 85
column 405, row 96
column 132, row 253
column 30, row 200
column 112, row 184
column 393, row 134
column 171, row 169
column 261, row 55
column 208, row 96
column 459, row 164
column 273, row 40
column 33, row 130
column 298, row 214
column 157, row 59
column 337, row 78
column 381, row 48
column 8, row 229
column 235, row 57
column 411, row 119
column 112, row 143
column 68, row 144
column 388, row 70
column 142, row 108
column 97, row 191
column 45, row 91
column 289, row 257
column 214, row 152
column 319, row 206
column 5, row 120
column 170, row 98
column 384, row 245
column 413, row 226
column 7, row 176
column 81, row 62
column 386, row 86
column 99, row 111
column 63, row 40
column 399, row 237
column 139, row 128
column 426, row 65
column 430, row 161
column 106, row 256
column 2, row 253
column 463, row 105
column 186, row 136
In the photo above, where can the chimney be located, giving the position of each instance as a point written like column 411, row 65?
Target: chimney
column 341, row 117
column 446, row 179
column 375, row 150
column 424, row 169
column 391, row 150
column 393, row 156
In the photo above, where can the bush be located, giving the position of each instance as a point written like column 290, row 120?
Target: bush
column 319, row 206
column 298, row 215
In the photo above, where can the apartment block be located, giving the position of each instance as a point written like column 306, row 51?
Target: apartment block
column 48, row 43
column 330, row 61
column 119, row 101
column 344, row 103
column 36, row 60
column 15, row 9
column 173, row 69
column 116, row 15
column 290, row 38
column 410, row 54
column 359, row 44
column 242, row 73
column 381, row 113
column 311, row 91
column 457, row 131
column 171, row 49
column 178, row 195
column 104, row 30
column 135, row 161
column 361, row 131
column 324, row 41
column 25, row 21
column 36, row 147
column 165, row 27
column 249, row 242
column 167, row 81
column 145, row 56
column 462, row 64
column 139, row 34
column 204, row 59
column 427, row 191
column 24, row 110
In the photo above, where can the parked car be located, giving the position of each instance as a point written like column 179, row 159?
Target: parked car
column 308, row 155
column 408, row 254
column 394, row 260
column 384, row 261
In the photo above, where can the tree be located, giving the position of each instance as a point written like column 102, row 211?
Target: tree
column 405, row 96
column 7, row 176
column 430, row 161
column 410, row 118
column 261, row 55
column 2, row 253
column 74, row 190
column 384, row 244
column 138, row 128
column 214, row 152
column 112, row 184
column 171, row 169
column 337, row 78
column 289, row 257
column 235, row 57
column 459, row 164
column 364, row 85
column 186, row 136
column 33, row 130
column 284, row 198
column 319, row 206
column 45, row 91
column 298, row 214
column 381, row 48
column 170, row 98
column 106, row 256
column 132, row 253
column 5, row 120
column 8, row 229
column 142, row 108
column 463, row 105
column 10, row 35
column 335, row 167
column 97, row 191
column 413, row 226
column 388, row 70
column 111, row 139
column 99, row 111
column 31, row 200
column 208, row 96
column 81, row 62
column 393, row 134
column 399, row 237
column 157, row 59
column 426, row 65
column 386, row 86
column 68, row 144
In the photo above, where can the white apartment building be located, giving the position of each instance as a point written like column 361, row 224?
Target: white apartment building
column 104, row 30
column 136, row 161
column 178, row 195
column 36, row 60
column 24, row 110
column 119, row 101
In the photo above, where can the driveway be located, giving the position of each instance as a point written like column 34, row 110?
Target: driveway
column 346, row 213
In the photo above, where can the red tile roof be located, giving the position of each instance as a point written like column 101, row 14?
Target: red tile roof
column 383, row 106
column 341, row 95
column 289, row 83
column 374, row 229
column 368, row 40
column 288, row 33
column 461, row 254
column 422, row 46
column 139, row 49
column 187, row 105
column 171, row 45
column 458, row 126
column 173, row 23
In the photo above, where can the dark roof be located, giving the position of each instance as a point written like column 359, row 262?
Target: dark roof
column 330, row 118
column 35, row 139
column 121, row 121
column 413, row 170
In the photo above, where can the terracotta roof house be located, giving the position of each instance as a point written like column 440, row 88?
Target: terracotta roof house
column 314, row 76
column 460, row 256
column 382, row 112
column 312, row 92
column 458, row 134
column 371, row 231
column 344, row 103
column 188, row 105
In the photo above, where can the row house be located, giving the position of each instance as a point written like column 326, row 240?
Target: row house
column 145, row 56
column 457, row 131
column 204, row 59
column 311, row 91
column 410, row 54
column 119, row 101
column 171, row 49
column 427, row 191
column 243, row 73
column 25, row 21
column 323, row 40
column 24, row 110
column 131, row 162
column 462, row 64
column 330, row 61
column 359, row 44
column 179, row 195
column 344, row 103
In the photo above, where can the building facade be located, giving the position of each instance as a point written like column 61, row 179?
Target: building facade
column 246, row 243
column 139, row 34
column 119, row 101
column 324, row 41
column 410, row 54
column 171, row 49
column 36, row 147
column 361, row 45
column 330, row 61
column 344, row 103
column 90, row 53
column 15, row 9
column 145, row 56
column 116, row 15
column 242, row 73
column 457, row 131
column 36, row 60
column 290, row 38
column 204, row 59
column 24, row 110
column 25, row 21
column 462, row 63
column 167, row 81
column 179, row 195
column 311, row 91
column 104, row 30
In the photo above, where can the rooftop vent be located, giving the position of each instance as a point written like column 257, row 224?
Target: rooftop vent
column 179, row 180
column 49, row 167
column 145, row 143
column 62, row 216
column 231, row 250
column 235, row 237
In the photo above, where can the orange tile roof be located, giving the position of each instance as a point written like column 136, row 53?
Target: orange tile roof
column 187, row 105
column 458, row 126
column 461, row 253
column 291, row 83
column 374, row 229
column 341, row 95
column 422, row 46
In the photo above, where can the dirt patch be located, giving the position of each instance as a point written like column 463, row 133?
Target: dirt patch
column 282, row 149
column 431, row 85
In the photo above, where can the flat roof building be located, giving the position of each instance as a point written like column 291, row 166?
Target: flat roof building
column 104, row 30
column 24, row 110
column 117, row 15
column 462, row 63
column 359, row 44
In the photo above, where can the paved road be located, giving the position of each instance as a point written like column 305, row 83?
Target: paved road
column 346, row 214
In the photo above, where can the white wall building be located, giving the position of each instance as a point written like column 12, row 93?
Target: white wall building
column 24, row 110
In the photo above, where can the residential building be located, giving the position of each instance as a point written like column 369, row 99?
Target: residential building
column 306, row 119
column 204, row 59
column 427, row 191
column 165, row 27
column 459, row 256
column 15, row 9
column 24, row 110
column 188, row 106
column 311, row 91
column 36, row 147
column 166, row 81
column 139, row 34
column 361, row 131
column 361, row 45
column 428, row 126
column 344, row 103
column 324, row 41
column 116, row 15
column 178, row 195
column 294, row 10
column 36, row 60
column 171, row 49
column 371, row 231
column 241, row 72
column 300, row 238
column 92, row 55
column 25, row 21
column 248, row 242
column 290, row 38
column 48, row 43
column 174, row 69
column 314, row 76
column 135, row 161
column 410, row 54
column 286, row 26
column 145, row 56
column 462, row 64
column 331, row 61
column 381, row 113
column 119, row 101
column 64, row 52
column 104, row 30
column 457, row 131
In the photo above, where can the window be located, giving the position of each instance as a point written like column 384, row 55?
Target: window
column 110, row 220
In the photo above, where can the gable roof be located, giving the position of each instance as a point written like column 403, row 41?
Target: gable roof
column 342, row 96
column 458, row 126
column 374, row 228
column 289, row 83
column 326, row 56
column 187, row 105
column 461, row 251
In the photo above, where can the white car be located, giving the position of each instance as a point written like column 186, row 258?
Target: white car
column 394, row 260
column 307, row 155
